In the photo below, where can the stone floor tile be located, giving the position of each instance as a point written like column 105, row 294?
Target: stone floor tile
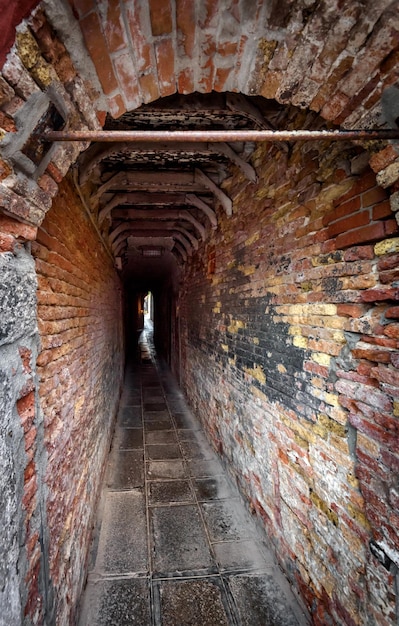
column 260, row 600
column 233, row 556
column 128, row 438
column 192, row 450
column 179, row 540
column 183, row 420
column 126, row 469
column 163, row 424
column 130, row 416
column 122, row 546
column 154, row 406
column 161, row 436
column 117, row 603
column 156, row 416
column 199, row 468
column 193, row 603
column 169, row 492
column 226, row 520
column 215, row 488
column 165, row 469
column 160, row 452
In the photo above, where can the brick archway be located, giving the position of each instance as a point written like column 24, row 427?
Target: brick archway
column 332, row 64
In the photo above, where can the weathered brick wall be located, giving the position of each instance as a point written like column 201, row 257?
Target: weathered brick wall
column 289, row 355
column 80, row 367
column 20, row 451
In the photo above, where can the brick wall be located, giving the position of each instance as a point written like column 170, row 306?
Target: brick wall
column 80, row 367
column 20, row 452
column 289, row 355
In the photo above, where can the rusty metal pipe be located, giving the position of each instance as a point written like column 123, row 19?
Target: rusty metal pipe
column 214, row 136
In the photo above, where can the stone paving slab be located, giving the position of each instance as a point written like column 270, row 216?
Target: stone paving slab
column 123, row 544
column 128, row 438
column 193, row 603
column 166, row 469
column 180, row 543
column 117, row 603
column 126, row 469
column 259, row 600
column 175, row 545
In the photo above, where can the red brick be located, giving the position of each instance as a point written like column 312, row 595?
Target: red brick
column 382, row 210
column 117, row 106
column 351, row 310
column 166, row 67
column 7, row 123
column 136, row 17
column 392, row 330
column 26, row 408
column 185, row 81
column 378, row 355
column 359, row 253
column 373, row 431
column 342, row 210
column 360, row 186
column 17, row 229
column 377, row 295
column 354, row 221
column 373, row 196
column 186, row 26
column 113, row 28
column 392, row 312
column 389, row 276
column 97, row 47
column 149, row 87
column 161, row 17
column 388, row 262
column 127, row 78
column 221, row 77
column 382, row 159
column 386, row 375
column 83, row 6
column 372, row 232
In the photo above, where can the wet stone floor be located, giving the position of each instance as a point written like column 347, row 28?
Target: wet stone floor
column 175, row 545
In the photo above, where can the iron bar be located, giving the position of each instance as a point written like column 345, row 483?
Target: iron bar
column 215, row 136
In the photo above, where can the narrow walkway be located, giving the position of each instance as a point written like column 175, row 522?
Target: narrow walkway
column 175, row 545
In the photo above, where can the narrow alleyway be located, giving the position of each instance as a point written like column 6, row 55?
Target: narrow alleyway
column 174, row 544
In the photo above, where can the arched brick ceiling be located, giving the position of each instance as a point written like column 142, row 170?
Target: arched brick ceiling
column 180, row 64
column 317, row 55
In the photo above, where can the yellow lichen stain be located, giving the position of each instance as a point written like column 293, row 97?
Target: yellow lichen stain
column 252, row 239
column 247, row 270
column 300, row 342
column 224, row 347
column 323, row 506
column 42, row 73
column 255, row 340
column 28, row 49
column 257, row 393
column 396, row 408
column 267, row 48
column 352, row 481
column 327, row 425
column 388, row 246
column 217, row 307
column 281, row 368
column 234, row 326
column 321, row 358
column 317, row 308
column 257, row 373
column 358, row 516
